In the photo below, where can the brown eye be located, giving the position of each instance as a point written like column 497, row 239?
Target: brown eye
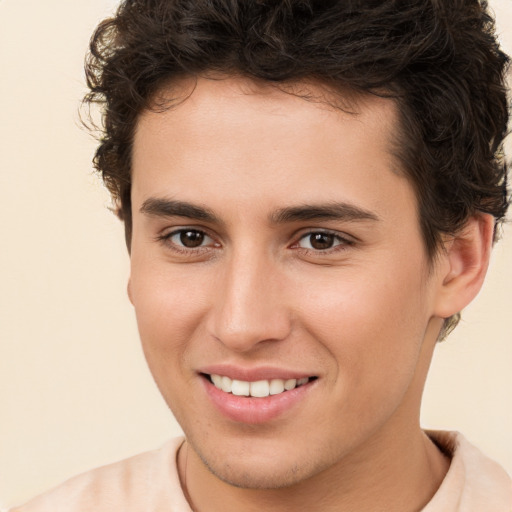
column 322, row 241
column 189, row 238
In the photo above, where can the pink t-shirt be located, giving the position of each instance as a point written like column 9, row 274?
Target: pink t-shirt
column 149, row 482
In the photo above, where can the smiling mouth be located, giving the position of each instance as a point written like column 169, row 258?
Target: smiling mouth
column 257, row 389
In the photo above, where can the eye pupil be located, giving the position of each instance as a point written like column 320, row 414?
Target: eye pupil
column 321, row 240
column 191, row 238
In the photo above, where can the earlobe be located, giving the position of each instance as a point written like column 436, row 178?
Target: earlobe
column 129, row 290
column 466, row 259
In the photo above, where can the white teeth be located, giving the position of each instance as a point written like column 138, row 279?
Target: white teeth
column 290, row 384
column 226, row 384
column 276, row 386
column 259, row 389
column 240, row 388
column 217, row 380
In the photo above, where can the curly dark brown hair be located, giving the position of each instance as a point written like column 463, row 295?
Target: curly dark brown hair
column 439, row 60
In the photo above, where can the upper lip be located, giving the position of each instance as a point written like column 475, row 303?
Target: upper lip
column 253, row 374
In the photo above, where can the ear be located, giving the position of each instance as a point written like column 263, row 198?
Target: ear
column 129, row 290
column 464, row 265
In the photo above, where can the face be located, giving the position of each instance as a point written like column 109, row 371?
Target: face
column 277, row 253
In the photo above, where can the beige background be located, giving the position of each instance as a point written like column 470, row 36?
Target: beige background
column 74, row 389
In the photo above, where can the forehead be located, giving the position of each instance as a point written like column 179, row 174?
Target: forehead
column 199, row 114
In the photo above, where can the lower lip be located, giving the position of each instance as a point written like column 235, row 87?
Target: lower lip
column 253, row 410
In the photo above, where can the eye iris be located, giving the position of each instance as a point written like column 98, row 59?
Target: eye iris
column 321, row 241
column 191, row 238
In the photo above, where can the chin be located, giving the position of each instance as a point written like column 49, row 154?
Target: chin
column 257, row 478
column 257, row 473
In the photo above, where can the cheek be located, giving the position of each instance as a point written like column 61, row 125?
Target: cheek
column 168, row 307
column 372, row 326
column 375, row 349
column 167, row 319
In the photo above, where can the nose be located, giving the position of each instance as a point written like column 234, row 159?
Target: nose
column 250, row 306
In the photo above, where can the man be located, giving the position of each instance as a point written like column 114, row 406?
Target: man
column 310, row 192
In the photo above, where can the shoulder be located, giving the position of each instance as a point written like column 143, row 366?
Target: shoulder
column 474, row 482
column 137, row 483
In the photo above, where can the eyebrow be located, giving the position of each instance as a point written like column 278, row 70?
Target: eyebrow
column 161, row 207
column 330, row 211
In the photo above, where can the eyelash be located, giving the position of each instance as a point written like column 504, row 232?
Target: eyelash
column 166, row 239
column 342, row 242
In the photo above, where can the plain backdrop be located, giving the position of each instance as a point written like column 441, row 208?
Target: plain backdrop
column 74, row 389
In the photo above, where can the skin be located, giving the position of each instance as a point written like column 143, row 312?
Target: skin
column 362, row 316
